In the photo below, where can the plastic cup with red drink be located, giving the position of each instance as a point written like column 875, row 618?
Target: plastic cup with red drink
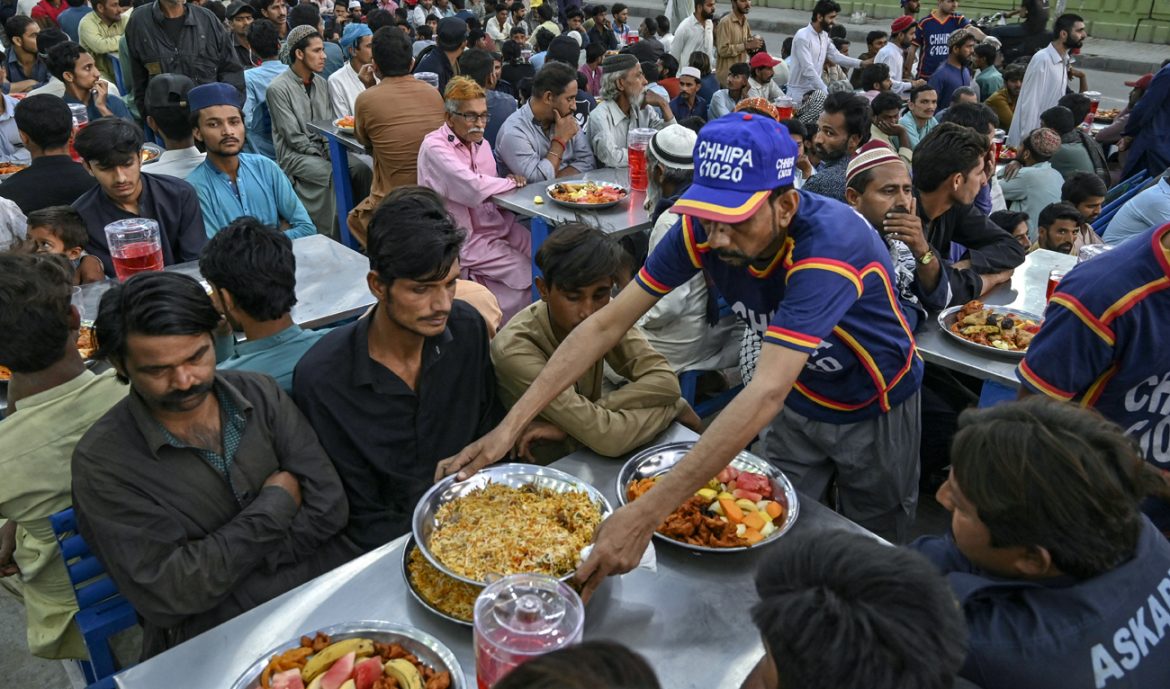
column 637, row 141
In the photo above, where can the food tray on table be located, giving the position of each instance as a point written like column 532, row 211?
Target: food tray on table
column 948, row 318
column 150, row 153
column 451, row 599
column 9, row 169
column 345, row 125
column 426, row 648
column 657, row 461
column 592, row 196
column 533, row 483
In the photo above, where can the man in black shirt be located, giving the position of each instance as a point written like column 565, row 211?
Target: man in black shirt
column 53, row 179
column 110, row 148
column 407, row 385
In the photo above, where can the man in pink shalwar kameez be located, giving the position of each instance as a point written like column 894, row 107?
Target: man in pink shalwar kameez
column 457, row 162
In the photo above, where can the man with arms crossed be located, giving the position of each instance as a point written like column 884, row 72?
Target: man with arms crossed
column 839, row 388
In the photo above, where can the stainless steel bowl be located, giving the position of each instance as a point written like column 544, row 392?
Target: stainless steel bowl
column 660, row 459
column 513, row 475
column 153, row 148
column 427, row 648
column 418, row 596
column 947, row 317
column 586, row 206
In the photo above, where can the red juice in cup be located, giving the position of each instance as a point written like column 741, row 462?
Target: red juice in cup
column 784, row 107
column 135, row 246
column 1054, row 278
column 637, row 141
column 1094, row 101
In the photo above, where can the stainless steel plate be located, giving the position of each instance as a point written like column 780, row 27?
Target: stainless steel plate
column 660, row 459
column 415, row 592
column 947, row 318
column 513, row 475
column 153, row 148
column 586, row 206
column 343, row 130
column 427, row 648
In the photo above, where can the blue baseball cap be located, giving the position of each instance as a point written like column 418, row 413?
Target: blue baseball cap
column 739, row 159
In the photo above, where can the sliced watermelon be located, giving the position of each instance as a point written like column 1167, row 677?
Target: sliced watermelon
column 340, row 672
column 367, row 672
column 289, row 679
column 755, row 483
column 746, row 494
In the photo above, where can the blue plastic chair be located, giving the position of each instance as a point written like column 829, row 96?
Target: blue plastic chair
column 102, row 611
column 116, row 66
column 1110, row 210
column 1125, row 185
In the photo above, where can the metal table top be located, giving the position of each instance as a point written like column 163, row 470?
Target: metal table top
column 327, row 128
column 331, row 283
column 625, row 218
column 690, row 619
column 1026, row 292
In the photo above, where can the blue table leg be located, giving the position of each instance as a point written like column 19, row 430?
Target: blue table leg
column 342, row 188
column 539, row 229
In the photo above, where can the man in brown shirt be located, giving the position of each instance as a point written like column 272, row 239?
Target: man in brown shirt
column 733, row 39
column 392, row 119
column 203, row 494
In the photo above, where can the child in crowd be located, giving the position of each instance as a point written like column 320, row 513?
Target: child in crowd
column 60, row 230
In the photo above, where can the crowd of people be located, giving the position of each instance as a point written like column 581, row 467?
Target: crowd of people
column 810, row 211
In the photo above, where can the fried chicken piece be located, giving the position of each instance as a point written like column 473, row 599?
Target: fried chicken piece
column 441, row 680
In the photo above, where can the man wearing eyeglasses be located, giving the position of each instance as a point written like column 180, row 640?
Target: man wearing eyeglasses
column 457, row 162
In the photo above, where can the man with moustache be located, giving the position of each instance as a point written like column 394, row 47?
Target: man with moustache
column 696, row 32
column 203, row 494
column 836, row 388
column 811, row 47
column 1046, row 79
column 1058, row 228
column 843, row 126
column 893, row 53
column 232, row 184
column 625, row 105
column 734, row 39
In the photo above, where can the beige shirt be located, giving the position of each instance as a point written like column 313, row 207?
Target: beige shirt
column 609, row 424
column 101, row 39
column 730, row 35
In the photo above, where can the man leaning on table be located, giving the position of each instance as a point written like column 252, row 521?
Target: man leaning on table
column 625, row 105
column 542, row 140
column 837, row 388
column 203, row 494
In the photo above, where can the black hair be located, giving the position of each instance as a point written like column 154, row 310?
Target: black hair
column 574, row 12
column 477, row 64
column 1008, row 220
column 564, row 49
column 587, row 665
column 963, row 91
column 977, row 116
column 379, row 17
column 412, row 236
column 517, row 30
column 617, row 8
column 594, row 52
column 261, row 5
column 109, row 142
column 576, row 255
column 1076, row 481
column 255, row 263
column 920, row 89
column 63, row 57
column 304, row 14
column 424, row 32
column 264, row 37
column 1065, row 22
column 543, row 38
column 873, row 74
column 35, row 291
column 855, row 108
column 884, row 101
column 75, row 3
column 838, row 31
column 742, row 69
column 511, row 52
column 669, row 66
column 987, row 52
column 516, row 6
column 217, row 9
column 1081, row 186
column 544, row 12
column 1013, row 72
column 875, row 35
column 663, row 23
column 948, row 149
column 597, row 10
column 840, row 42
column 886, row 615
column 392, row 52
column 824, row 7
column 48, row 38
column 693, row 123
column 650, row 71
column 155, row 303
column 64, row 222
column 1059, row 211
column 795, row 128
column 553, row 78
column 16, row 25
column 1078, row 104
column 46, row 120
column 786, row 47
column 700, row 61
column 1059, row 119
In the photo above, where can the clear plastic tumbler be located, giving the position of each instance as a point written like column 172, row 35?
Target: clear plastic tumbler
column 637, row 141
column 135, row 246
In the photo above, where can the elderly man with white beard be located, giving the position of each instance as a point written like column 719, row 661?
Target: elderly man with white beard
column 457, row 163
column 625, row 105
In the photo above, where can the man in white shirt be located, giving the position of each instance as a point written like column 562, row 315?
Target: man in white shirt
column 498, row 25
column 424, row 9
column 1046, row 79
column 356, row 75
column 893, row 53
column 811, row 47
column 696, row 32
column 169, row 116
column 760, row 84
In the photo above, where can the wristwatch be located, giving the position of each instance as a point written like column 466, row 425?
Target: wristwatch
column 927, row 257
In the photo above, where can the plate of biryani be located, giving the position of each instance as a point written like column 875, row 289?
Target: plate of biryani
column 445, row 596
column 991, row 329
column 587, row 195
column 507, row 519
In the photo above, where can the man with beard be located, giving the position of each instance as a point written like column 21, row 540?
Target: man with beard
column 75, row 67
column 696, row 32
column 734, row 39
column 542, row 140
column 932, row 34
column 232, row 184
column 275, row 11
column 836, row 388
column 1057, row 228
column 919, row 118
column 1003, row 101
column 456, row 161
column 844, row 125
column 202, row 494
column 893, row 53
column 954, row 73
column 625, row 105
column 1046, row 78
column 910, row 8
column 240, row 16
column 811, row 48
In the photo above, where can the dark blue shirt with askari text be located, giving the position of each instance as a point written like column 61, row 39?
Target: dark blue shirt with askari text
column 828, row 292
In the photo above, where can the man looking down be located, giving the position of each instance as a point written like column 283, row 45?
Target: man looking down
column 626, row 104
column 837, row 384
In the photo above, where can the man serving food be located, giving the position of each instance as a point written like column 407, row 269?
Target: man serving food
column 839, row 388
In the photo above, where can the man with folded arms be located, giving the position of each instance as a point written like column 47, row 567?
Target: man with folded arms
column 203, row 494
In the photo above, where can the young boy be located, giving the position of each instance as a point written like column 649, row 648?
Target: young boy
column 60, row 230
column 988, row 79
column 689, row 103
column 579, row 265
